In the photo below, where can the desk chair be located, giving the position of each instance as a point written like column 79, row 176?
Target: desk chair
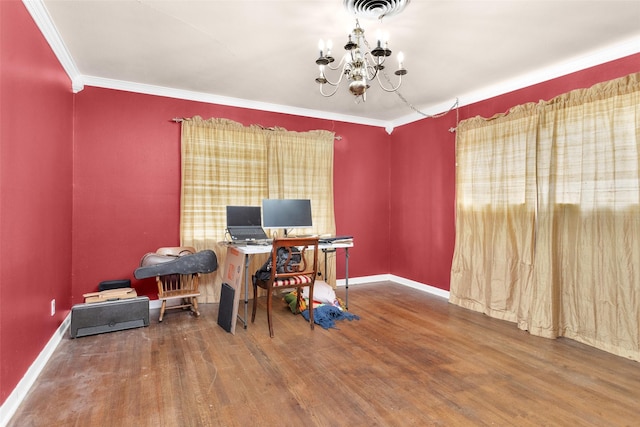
column 293, row 274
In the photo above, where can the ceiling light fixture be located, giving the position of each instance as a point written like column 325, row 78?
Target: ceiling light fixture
column 361, row 64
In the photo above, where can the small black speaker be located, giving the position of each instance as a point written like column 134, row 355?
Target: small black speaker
column 109, row 316
column 114, row 284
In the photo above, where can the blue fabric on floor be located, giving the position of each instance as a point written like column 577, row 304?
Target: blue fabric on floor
column 326, row 315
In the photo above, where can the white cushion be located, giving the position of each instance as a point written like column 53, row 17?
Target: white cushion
column 322, row 292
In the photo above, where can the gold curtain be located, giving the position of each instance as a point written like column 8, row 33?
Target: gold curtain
column 226, row 163
column 298, row 169
column 550, row 238
column 496, row 202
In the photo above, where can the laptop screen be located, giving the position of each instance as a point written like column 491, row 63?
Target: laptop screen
column 243, row 216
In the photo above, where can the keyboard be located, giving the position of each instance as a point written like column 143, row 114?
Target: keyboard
column 334, row 239
column 240, row 234
column 259, row 242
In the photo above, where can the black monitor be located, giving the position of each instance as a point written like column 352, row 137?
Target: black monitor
column 286, row 213
column 243, row 216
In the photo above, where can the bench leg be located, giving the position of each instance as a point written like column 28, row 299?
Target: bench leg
column 162, row 309
column 194, row 306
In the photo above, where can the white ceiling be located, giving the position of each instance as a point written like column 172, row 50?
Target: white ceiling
column 262, row 53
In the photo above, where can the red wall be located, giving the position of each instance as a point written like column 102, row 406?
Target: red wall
column 127, row 183
column 422, row 165
column 423, row 175
column 36, row 111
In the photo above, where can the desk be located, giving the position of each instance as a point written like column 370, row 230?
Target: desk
column 249, row 250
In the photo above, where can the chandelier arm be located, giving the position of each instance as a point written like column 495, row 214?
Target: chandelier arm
column 372, row 71
column 338, row 66
column 376, row 60
column 393, row 89
column 342, row 74
column 327, row 95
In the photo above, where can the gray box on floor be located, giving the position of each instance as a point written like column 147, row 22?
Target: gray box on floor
column 109, row 316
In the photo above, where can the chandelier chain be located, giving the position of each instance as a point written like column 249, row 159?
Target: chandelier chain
column 406, row 102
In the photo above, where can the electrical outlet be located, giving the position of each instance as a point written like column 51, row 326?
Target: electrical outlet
column 53, row 306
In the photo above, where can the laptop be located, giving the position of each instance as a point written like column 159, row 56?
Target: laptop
column 244, row 223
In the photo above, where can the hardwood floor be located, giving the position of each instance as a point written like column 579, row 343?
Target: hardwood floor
column 412, row 359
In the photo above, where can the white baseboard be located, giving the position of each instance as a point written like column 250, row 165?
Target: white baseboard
column 396, row 279
column 16, row 397
column 420, row 286
column 156, row 304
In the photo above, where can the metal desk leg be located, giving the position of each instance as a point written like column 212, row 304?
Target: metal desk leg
column 245, row 320
column 346, row 277
column 246, row 290
column 324, row 251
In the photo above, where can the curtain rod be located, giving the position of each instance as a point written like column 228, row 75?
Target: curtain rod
column 182, row 119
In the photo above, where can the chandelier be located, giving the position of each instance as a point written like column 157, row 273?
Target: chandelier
column 361, row 65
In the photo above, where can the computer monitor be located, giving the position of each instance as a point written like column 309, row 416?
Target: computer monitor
column 286, row 213
column 243, row 216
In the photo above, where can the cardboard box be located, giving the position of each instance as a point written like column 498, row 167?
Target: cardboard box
column 110, row 295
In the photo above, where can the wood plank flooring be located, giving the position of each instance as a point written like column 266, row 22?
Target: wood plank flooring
column 412, row 359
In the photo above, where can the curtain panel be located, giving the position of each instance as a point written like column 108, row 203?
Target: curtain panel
column 227, row 163
column 548, row 216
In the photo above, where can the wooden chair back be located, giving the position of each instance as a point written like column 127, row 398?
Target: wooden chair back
column 178, row 286
column 299, row 267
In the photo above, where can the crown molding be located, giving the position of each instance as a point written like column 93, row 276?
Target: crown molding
column 224, row 100
column 596, row 57
column 40, row 15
